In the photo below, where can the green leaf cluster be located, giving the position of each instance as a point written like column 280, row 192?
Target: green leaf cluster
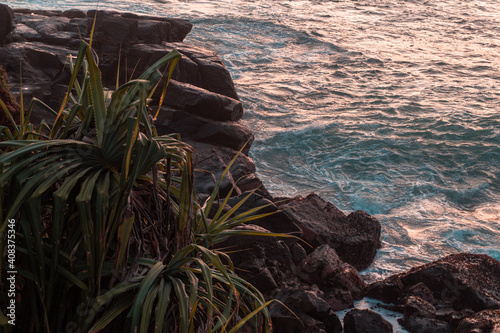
column 109, row 234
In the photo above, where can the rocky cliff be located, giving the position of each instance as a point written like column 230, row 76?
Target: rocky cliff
column 315, row 273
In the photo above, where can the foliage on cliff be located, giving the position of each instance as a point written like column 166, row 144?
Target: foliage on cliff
column 10, row 118
column 109, row 234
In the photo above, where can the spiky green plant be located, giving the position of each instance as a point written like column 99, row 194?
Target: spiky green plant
column 109, row 234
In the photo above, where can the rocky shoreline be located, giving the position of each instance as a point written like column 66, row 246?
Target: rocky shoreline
column 314, row 274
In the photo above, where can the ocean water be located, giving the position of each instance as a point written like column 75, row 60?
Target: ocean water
column 392, row 107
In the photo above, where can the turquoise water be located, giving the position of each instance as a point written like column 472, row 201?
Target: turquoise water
column 392, row 107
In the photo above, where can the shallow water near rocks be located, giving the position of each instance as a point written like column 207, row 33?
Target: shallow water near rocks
column 392, row 107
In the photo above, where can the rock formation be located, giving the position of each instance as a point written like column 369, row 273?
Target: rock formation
column 314, row 273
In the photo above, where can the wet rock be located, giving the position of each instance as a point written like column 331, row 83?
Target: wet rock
column 201, row 102
column 365, row 321
column 6, row 22
column 422, row 291
column 415, row 306
column 459, row 280
column 355, row 237
column 487, row 321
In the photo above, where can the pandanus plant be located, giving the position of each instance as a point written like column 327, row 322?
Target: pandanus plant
column 109, row 234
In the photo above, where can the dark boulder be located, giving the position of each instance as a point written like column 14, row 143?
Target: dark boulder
column 487, row 321
column 199, row 67
column 74, row 13
column 154, row 32
column 415, row 306
column 112, row 32
column 420, row 316
column 308, row 305
column 43, row 25
column 365, row 321
column 422, row 291
column 6, row 22
column 201, row 102
column 339, row 281
column 423, row 324
column 264, row 261
column 355, row 237
column 459, row 280
column 277, row 222
column 225, row 134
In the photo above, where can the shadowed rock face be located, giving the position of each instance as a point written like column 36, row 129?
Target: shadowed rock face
column 6, row 22
column 355, row 237
column 487, row 321
column 365, row 321
column 459, row 280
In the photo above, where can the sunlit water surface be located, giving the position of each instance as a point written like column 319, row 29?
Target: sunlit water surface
column 392, row 107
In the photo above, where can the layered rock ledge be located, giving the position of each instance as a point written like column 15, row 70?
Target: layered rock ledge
column 314, row 274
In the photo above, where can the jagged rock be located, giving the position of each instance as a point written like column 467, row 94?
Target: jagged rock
column 365, row 321
column 211, row 161
column 415, row 306
column 460, row 280
column 298, row 253
column 340, row 281
column 225, row 134
column 355, row 237
column 112, row 31
column 199, row 66
column 420, row 316
column 213, row 74
column 487, row 321
column 422, row 291
column 453, row 317
column 201, row 102
column 322, row 263
column 305, row 301
column 264, row 261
